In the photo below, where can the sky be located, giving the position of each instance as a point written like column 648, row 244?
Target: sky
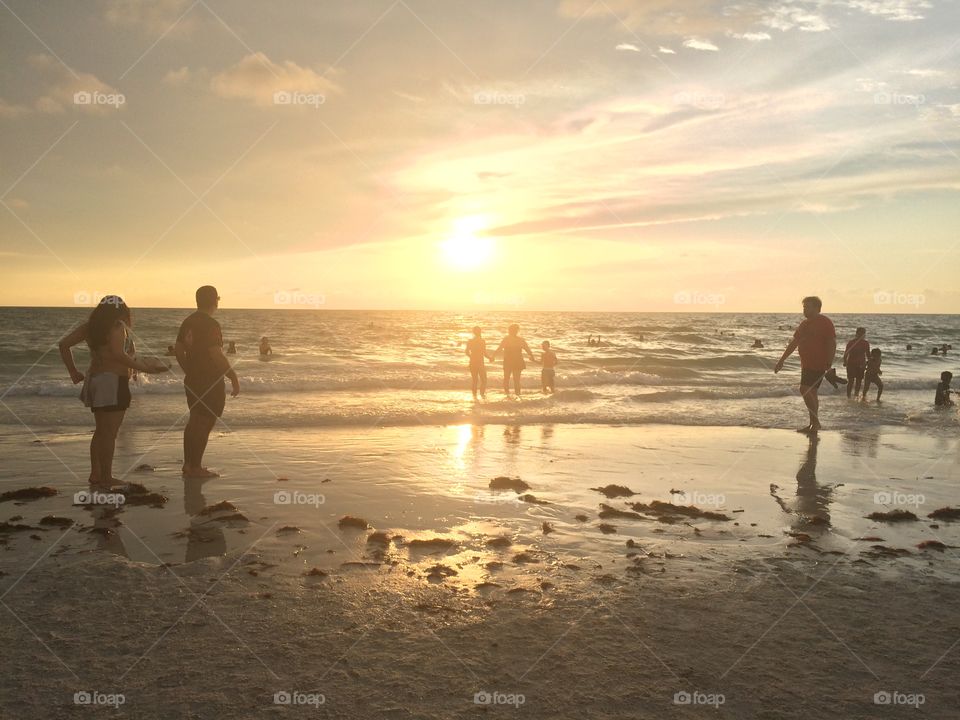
column 627, row 155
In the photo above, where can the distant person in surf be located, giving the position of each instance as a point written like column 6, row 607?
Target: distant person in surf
column 934, row 351
column 170, row 351
column 265, row 348
column 855, row 361
column 106, row 386
column 758, row 344
column 513, row 347
column 942, row 398
column 816, row 340
column 872, row 373
column 200, row 354
column 548, row 376
column 476, row 350
column 232, row 348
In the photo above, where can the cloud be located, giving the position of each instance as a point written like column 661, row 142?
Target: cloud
column 789, row 17
column 750, row 36
column 63, row 88
column 897, row 10
column 698, row 44
column 628, row 46
column 666, row 50
column 154, row 16
column 8, row 110
column 669, row 17
column 179, row 77
column 256, row 78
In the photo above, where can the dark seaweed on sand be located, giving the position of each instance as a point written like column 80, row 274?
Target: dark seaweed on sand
column 945, row 513
column 615, row 491
column 892, row 516
column 611, row 512
column 30, row 493
column 506, row 483
column 661, row 509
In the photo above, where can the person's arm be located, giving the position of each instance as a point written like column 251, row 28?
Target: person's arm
column 528, row 351
column 493, row 355
column 788, row 351
column 74, row 337
column 119, row 355
column 832, row 350
column 846, row 356
column 223, row 366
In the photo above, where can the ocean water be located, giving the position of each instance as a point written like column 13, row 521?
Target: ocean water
column 386, row 368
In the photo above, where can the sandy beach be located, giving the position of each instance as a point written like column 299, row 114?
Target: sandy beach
column 795, row 604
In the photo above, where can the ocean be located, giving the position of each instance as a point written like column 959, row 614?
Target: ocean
column 396, row 368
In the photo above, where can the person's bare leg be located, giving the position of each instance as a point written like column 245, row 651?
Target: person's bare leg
column 94, row 457
column 849, row 384
column 198, row 427
column 483, row 383
column 879, row 389
column 506, row 381
column 516, row 382
column 473, row 383
column 105, row 436
column 812, row 401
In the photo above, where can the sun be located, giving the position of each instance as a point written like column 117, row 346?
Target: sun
column 464, row 250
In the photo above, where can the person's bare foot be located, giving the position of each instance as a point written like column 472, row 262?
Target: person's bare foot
column 804, row 429
column 199, row 473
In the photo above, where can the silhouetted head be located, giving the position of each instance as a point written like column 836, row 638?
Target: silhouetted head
column 513, row 329
column 476, row 331
column 208, row 299
column 263, row 340
column 861, row 331
column 875, row 353
column 104, row 318
column 812, row 306
column 545, row 344
column 946, row 376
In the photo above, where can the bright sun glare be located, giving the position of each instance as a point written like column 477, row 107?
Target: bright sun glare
column 464, row 250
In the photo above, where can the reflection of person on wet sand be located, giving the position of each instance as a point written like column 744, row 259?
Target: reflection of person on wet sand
column 513, row 347
column 204, row 539
column 476, row 350
column 811, row 508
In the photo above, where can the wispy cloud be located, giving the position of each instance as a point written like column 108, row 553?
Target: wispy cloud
column 257, row 78
column 698, row 44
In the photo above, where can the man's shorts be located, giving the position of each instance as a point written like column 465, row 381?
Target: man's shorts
column 206, row 397
column 811, row 378
column 855, row 372
column 548, row 376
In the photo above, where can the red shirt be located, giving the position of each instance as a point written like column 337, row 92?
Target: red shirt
column 814, row 337
column 857, row 352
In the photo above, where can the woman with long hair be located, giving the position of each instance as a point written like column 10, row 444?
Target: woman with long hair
column 106, row 386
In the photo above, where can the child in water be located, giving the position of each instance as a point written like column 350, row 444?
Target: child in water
column 872, row 373
column 549, row 361
column 942, row 398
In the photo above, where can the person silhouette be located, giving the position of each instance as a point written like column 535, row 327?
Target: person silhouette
column 513, row 347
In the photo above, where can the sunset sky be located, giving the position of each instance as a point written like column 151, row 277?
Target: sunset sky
column 612, row 155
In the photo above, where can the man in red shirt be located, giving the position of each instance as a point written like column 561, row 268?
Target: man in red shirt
column 816, row 339
column 855, row 360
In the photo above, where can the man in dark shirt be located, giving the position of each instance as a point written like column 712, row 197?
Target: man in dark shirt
column 942, row 398
column 199, row 351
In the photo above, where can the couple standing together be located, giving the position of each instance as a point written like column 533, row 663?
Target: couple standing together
column 513, row 347
column 106, row 386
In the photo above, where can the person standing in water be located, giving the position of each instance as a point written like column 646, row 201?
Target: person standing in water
column 265, row 348
column 106, row 386
column 548, row 376
column 513, row 347
column 872, row 373
column 816, row 339
column 855, row 361
column 476, row 350
column 200, row 353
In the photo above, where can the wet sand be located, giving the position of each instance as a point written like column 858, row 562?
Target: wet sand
column 209, row 602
